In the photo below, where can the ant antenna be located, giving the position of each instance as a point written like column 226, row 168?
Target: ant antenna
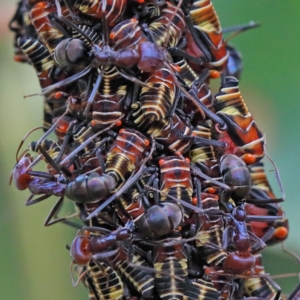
column 276, row 170
column 23, row 140
column 239, row 29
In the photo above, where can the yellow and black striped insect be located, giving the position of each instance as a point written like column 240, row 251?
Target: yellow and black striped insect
column 262, row 201
column 171, row 268
column 260, row 286
column 169, row 27
column 155, row 101
column 41, row 18
column 243, row 137
column 200, row 289
column 113, row 10
column 176, row 180
column 206, row 33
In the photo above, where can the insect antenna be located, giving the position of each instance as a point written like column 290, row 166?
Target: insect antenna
column 276, row 172
column 239, row 29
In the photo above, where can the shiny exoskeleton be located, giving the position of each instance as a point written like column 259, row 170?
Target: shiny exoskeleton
column 237, row 176
column 184, row 220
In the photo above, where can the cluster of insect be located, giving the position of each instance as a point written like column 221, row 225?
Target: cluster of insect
column 165, row 176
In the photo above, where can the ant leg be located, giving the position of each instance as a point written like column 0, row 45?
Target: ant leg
column 214, row 117
column 39, row 199
column 54, row 212
column 259, row 243
column 42, row 175
column 55, row 24
column 240, row 28
column 156, row 195
column 294, row 293
column 94, row 92
column 197, row 184
column 175, row 51
column 64, row 145
column 65, row 82
column 53, row 163
column 210, row 142
column 276, row 286
column 82, row 275
column 195, row 35
column 100, row 159
column 70, row 9
column 173, row 108
column 133, row 79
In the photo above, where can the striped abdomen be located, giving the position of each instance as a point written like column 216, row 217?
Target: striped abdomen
column 242, row 132
column 107, row 283
column 125, row 154
column 170, row 264
column 108, row 104
column 186, row 72
column 155, row 102
column 171, row 23
column 127, row 35
column 139, row 279
column 113, row 11
column 258, row 286
column 176, row 180
column 201, row 290
column 93, row 35
column 48, row 34
column 40, row 58
column 205, row 19
column 261, row 190
column 202, row 154
column 209, row 245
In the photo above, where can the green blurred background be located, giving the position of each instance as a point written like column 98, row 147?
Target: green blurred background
column 34, row 263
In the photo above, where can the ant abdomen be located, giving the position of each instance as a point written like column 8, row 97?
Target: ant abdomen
column 71, row 52
column 160, row 220
column 236, row 174
column 92, row 187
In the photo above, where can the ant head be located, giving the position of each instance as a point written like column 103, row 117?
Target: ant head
column 19, row 174
column 79, row 250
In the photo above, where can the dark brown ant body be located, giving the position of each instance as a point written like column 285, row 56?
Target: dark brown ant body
column 237, row 176
column 151, row 220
